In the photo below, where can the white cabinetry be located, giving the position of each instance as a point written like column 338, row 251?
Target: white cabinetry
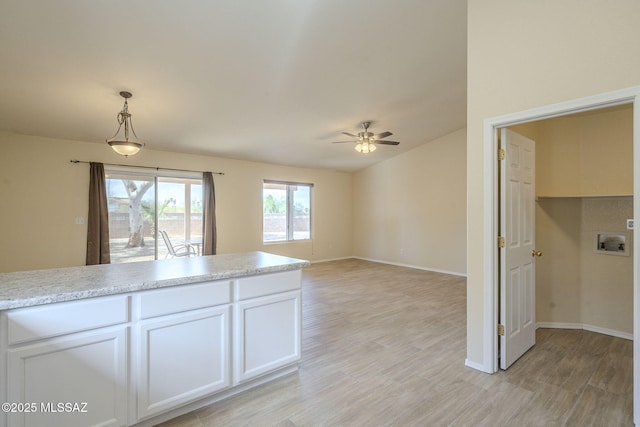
column 57, row 356
column 267, row 320
column 143, row 357
column 184, row 349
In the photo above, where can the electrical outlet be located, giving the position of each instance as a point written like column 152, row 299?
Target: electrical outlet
column 79, row 221
column 630, row 224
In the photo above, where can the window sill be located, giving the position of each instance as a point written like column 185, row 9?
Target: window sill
column 281, row 242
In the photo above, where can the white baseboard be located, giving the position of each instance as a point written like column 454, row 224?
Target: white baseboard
column 590, row 328
column 330, row 259
column 417, row 267
column 558, row 325
column 477, row 366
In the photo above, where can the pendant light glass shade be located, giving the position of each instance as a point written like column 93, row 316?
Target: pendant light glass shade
column 124, row 144
column 125, row 148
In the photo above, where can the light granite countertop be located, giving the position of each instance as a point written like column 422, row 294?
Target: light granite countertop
column 28, row 288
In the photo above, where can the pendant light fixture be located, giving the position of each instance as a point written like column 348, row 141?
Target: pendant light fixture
column 123, row 144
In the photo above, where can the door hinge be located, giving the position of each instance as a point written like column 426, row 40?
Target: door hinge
column 500, row 242
column 500, row 330
column 500, row 153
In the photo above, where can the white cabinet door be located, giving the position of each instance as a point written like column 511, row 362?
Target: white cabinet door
column 183, row 357
column 267, row 334
column 86, row 373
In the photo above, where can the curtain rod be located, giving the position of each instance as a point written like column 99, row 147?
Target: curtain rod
column 145, row 167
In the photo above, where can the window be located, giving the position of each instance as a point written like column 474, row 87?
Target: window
column 286, row 211
column 143, row 202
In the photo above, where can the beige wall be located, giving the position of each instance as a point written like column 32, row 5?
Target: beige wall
column 527, row 54
column 414, row 201
column 574, row 285
column 41, row 195
column 585, row 154
column 558, row 271
column 410, row 209
column 607, row 280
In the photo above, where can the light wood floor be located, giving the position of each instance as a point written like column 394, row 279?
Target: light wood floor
column 385, row 345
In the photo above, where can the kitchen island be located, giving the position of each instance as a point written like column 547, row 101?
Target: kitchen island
column 139, row 343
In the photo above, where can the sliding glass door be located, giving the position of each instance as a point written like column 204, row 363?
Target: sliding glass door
column 144, row 203
column 180, row 213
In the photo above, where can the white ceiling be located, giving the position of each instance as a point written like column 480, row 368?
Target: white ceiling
column 267, row 80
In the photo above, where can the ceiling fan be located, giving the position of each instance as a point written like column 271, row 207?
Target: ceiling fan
column 366, row 141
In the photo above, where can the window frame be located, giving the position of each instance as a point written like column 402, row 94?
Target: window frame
column 290, row 189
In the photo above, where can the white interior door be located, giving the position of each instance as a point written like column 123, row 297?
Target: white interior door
column 517, row 227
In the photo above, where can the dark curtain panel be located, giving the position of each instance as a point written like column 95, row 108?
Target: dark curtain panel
column 209, row 234
column 98, row 220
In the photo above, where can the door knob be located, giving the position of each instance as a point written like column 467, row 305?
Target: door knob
column 536, row 253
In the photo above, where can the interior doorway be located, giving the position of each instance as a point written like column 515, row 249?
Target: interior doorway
column 583, row 191
column 491, row 213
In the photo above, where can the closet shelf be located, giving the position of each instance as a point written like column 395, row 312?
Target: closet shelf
column 583, row 196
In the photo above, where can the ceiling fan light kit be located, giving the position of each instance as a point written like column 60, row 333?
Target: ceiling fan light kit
column 365, row 147
column 125, row 145
column 366, row 141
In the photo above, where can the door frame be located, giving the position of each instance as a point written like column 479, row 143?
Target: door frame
column 491, row 227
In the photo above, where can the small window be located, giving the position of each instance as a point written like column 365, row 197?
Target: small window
column 286, row 211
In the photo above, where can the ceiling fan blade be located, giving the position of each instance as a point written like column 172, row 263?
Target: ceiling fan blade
column 341, row 142
column 387, row 142
column 383, row 135
column 350, row 134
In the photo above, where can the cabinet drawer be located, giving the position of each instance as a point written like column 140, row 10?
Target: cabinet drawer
column 27, row 324
column 267, row 284
column 183, row 298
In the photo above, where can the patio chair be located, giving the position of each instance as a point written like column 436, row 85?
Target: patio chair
column 183, row 250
